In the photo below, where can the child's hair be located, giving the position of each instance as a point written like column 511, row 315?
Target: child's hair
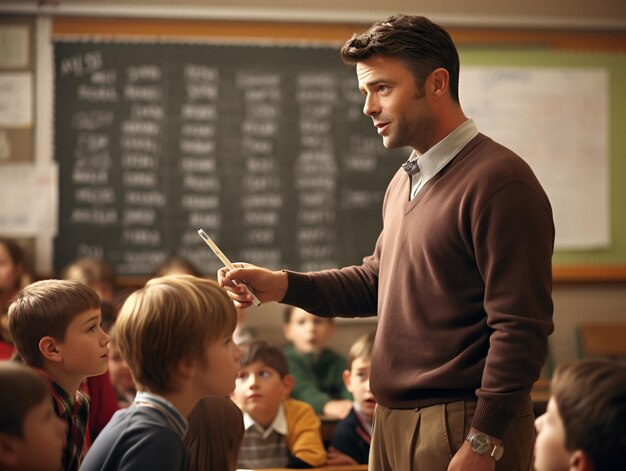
column 90, row 271
column 177, row 265
column 215, row 434
column 591, row 398
column 21, row 389
column 362, row 348
column 270, row 355
column 289, row 310
column 168, row 320
column 46, row 308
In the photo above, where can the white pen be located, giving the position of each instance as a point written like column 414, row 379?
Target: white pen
column 227, row 263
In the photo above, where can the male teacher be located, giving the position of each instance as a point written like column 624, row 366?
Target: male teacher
column 460, row 276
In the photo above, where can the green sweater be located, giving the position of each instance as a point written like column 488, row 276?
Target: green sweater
column 318, row 377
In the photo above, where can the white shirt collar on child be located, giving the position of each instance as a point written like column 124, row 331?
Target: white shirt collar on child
column 279, row 423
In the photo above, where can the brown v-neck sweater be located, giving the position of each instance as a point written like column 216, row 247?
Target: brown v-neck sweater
column 461, row 281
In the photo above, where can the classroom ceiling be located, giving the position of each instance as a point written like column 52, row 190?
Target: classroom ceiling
column 531, row 13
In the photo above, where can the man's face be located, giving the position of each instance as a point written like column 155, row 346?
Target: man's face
column 399, row 109
column 550, row 452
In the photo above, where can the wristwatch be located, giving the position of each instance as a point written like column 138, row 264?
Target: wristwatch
column 482, row 445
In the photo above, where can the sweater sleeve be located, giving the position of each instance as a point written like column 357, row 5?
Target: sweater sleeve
column 304, row 439
column 513, row 236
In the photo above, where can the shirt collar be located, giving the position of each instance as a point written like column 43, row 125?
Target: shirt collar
column 279, row 423
column 165, row 407
column 439, row 155
column 364, row 419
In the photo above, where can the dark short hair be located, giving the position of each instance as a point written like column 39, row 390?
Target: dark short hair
column 266, row 353
column 421, row 44
column 591, row 398
column 46, row 308
column 21, row 389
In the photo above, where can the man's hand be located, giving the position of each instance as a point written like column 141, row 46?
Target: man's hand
column 267, row 285
column 467, row 459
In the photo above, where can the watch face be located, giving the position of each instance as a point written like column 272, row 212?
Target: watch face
column 480, row 443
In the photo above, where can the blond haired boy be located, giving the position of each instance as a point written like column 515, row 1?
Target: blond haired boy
column 352, row 435
column 279, row 432
column 32, row 437
column 583, row 428
column 176, row 336
column 55, row 325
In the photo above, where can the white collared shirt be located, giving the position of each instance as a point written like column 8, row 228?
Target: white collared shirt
column 438, row 156
column 279, row 423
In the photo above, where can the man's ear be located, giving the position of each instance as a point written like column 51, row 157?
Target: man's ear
column 8, row 457
column 438, row 83
column 288, row 384
column 346, row 379
column 580, row 461
column 49, row 348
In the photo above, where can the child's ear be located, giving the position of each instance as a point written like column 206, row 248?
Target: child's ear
column 187, row 366
column 346, row 379
column 49, row 349
column 288, row 384
column 579, row 461
column 8, row 457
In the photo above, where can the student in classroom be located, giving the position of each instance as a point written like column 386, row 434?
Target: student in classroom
column 98, row 275
column 176, row 335
column 55, row 325
column 119, row 373
column 279, row 432
column 317, row 369
column 352, row 435
column 32, row 437
column 13, row 277
column 215, row 434
column 583, row 428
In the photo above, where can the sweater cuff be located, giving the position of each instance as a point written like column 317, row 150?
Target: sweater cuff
column 301, row 290
column 491, row 419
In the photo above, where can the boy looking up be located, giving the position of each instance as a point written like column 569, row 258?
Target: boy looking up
column 176, row 336
column 279, row 432
column 55, row 325
column 317, row 369
column 583, row 428
column 352, row 435
column 32, row 437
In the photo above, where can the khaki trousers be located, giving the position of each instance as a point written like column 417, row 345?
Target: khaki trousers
column 426, row 439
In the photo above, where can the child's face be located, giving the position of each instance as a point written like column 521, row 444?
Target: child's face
column 550, row 452
column 307, row 332
column 9, row 272
column 85, row 349
column 357, row 381
column 220, row 373
column 43, row 440
column 260, row 390
column 119, row 372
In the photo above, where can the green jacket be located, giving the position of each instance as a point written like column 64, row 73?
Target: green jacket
column 318, row 377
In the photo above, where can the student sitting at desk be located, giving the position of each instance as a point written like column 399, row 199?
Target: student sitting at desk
column 317, row 369
column 352, row 436
column 279, row 432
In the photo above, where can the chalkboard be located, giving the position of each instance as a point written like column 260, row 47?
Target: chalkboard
column 265, row 147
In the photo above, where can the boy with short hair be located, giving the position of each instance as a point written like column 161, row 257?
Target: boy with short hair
column 176, row 336
column 32, row 437
column 280, row 432
column 317, row 369
column 352, row 435
column 55, row 325
column 583, row 428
